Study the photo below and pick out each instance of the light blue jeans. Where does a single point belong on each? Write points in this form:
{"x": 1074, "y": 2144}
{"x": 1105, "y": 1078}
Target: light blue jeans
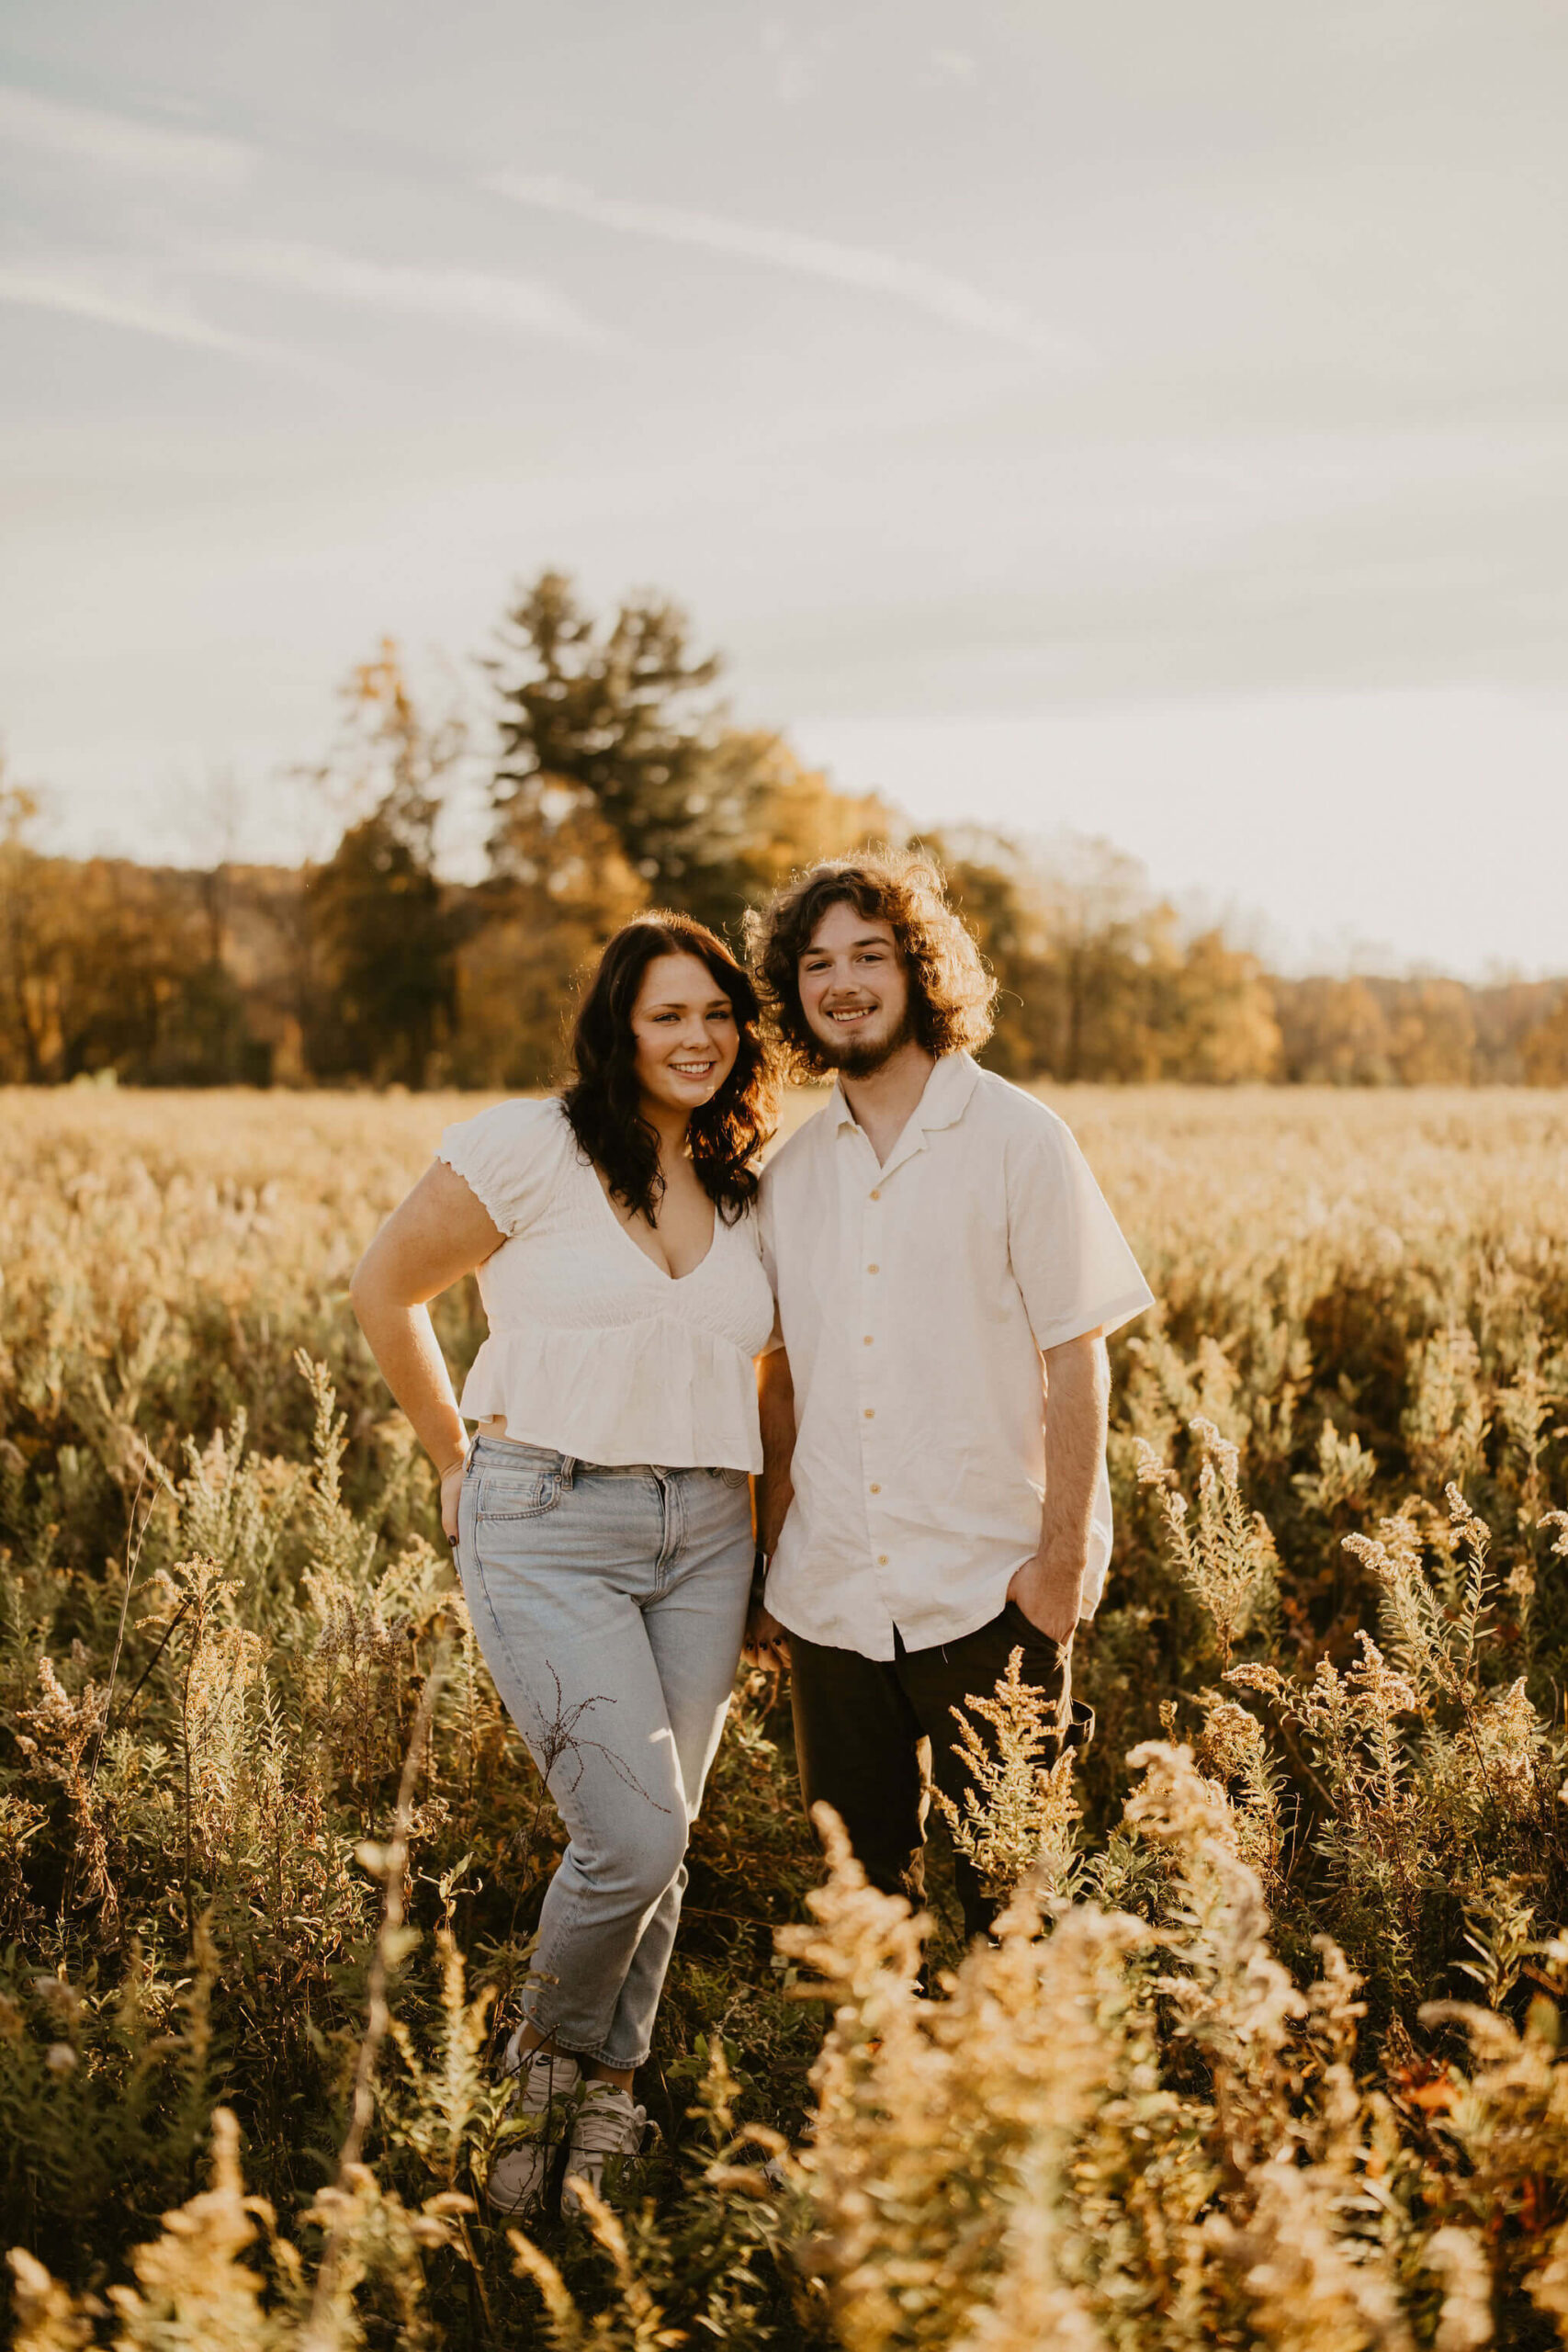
{"x": 610, "y": 1605}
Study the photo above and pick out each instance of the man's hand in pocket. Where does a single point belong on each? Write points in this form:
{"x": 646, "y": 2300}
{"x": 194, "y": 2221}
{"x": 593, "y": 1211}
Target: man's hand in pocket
{"x": 1049, "y": 1591}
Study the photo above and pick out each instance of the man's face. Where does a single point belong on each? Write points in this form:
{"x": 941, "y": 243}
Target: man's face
{"x": 854, "y": 991}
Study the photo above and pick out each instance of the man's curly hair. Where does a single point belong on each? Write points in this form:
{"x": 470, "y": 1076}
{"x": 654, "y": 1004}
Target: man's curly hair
{"x": 952, "y": 993}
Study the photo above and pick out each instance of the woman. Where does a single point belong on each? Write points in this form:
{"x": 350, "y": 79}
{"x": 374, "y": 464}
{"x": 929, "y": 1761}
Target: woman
{"x": 602, "y": 1516}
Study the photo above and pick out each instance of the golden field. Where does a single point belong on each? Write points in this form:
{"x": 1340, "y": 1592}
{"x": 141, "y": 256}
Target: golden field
{"x": 1268, "y": 2052}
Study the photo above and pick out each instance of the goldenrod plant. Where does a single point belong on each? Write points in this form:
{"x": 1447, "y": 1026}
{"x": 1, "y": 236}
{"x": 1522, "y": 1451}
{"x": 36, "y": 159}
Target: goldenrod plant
{"x": 1266, "y": 2050}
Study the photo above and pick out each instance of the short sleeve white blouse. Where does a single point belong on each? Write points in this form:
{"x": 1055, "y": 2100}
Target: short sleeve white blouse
{"x": 592, "y": 1348}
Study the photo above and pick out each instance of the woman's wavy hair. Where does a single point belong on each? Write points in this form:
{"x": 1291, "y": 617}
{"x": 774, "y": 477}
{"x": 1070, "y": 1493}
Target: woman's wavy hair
{"x": 602, "y": 1101}
{"x": 952, "y": 993}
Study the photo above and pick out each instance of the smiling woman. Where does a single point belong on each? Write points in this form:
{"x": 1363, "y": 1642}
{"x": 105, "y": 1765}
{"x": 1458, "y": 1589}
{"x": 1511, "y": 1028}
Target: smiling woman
{"x": 669, "y": 1052}
{"x": 601, "y": 1521}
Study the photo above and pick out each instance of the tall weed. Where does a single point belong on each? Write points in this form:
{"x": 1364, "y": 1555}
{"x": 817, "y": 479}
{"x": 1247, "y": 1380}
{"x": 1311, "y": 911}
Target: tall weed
{"x": 1265, "y": 2052}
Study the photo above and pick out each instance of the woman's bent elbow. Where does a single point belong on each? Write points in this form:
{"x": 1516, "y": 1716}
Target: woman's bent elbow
{"x": 361, "y": 1290}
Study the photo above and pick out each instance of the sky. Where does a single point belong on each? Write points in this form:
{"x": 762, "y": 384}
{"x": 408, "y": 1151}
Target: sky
{"x": 1136, "y": 421}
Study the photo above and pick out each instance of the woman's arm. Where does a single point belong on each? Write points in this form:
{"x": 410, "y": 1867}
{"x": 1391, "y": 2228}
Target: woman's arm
{"x": 766, "y": 1640}
{"x": 775, "y": 1408}
{"x": 431, "y": 1240}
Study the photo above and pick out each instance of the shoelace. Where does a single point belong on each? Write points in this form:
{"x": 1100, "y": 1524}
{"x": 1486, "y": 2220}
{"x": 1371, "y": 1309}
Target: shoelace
{"x": 606, "y": 2128}
{"x": 545, "y": 2077}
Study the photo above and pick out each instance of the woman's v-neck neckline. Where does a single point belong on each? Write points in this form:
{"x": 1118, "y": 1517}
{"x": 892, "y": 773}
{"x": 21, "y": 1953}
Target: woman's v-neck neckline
{"x": 662, "y": 1273}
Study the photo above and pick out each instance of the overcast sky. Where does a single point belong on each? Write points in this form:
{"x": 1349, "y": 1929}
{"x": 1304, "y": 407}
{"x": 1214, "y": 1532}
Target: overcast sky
{"x": 1140, "y": 419}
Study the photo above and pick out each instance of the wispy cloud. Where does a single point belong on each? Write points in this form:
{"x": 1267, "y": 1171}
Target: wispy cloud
{"x": 952, "y": 299}
{"x": 464, "y": 297}
{"x": 120, "y": 143}
{"x": 148, "y": 299}
{"x": 84, "y": 293}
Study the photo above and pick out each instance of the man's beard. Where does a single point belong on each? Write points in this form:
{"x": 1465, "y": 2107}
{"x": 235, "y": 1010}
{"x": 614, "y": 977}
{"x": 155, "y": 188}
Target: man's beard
{"x": 854, "y": 1058}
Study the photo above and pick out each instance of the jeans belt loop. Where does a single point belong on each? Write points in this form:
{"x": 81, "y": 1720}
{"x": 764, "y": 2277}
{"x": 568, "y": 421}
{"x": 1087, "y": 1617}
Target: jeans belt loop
{"x": 568, "y": 1470}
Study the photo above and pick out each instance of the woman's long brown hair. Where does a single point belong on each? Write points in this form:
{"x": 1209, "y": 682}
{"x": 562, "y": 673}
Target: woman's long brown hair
{"x": 604, "y": 1099}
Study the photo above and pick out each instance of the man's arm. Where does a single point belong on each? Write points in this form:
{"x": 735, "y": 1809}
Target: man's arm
{"x": 1049, "y": 1588}
{"x": 766, "y": 1638}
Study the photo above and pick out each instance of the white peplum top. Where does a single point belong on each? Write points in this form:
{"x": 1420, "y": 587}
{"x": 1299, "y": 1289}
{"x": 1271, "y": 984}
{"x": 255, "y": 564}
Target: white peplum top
{"x": 592, "y": 1348}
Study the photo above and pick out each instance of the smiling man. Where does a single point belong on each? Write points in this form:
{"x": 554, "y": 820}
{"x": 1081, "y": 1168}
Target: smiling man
{"x": 934, "y": 1491}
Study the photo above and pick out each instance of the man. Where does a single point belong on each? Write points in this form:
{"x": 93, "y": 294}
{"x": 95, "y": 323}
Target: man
{"x": 934, "y": 1493}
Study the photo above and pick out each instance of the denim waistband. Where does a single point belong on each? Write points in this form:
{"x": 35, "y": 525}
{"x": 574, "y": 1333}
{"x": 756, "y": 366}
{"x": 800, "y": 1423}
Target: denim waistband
{"x": 572, "y": 1465}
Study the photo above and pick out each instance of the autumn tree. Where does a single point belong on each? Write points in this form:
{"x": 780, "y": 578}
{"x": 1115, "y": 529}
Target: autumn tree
{"x": 769, "y": 814}
{"x": 382, "y": 937}
{"x": 28, "y": 1031}
{"x": 1335, "y": 1032}
{"x": 1431, "y": 1033}
{"x": 992, "y": 883}
{"x": 564, "y": 888}
{"x": 1095, "y": 980}
{"x": 99, "y": 960}
{"x": 1508, "y": 1014}
{"x": 1092, "y": 1011}
{"x": 103, "y": 969}
{"x": 1223, "y": 1031}
{"x": 1544, "y": 1050}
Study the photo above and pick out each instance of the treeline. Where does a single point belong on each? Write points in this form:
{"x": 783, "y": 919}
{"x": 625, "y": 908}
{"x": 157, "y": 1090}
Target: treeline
{"x": 620, "y": 782}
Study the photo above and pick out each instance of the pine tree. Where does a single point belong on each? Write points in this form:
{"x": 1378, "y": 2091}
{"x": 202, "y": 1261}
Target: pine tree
{"x": 619, "y": 719}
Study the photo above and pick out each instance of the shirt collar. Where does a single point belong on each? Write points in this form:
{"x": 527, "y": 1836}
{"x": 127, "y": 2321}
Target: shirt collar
{"x": 942, "y": 1105}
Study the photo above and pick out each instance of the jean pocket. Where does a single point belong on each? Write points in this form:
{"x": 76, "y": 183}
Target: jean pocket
{"x": 516, "y": 1494}
{"x": 1034, "y": 1642}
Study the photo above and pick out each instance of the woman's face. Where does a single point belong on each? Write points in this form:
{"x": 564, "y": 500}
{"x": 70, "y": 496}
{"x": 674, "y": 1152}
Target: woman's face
{"x": 685, "y": 1033}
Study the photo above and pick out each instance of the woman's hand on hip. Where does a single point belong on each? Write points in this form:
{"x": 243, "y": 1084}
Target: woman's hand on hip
{"x": 451, "y": 1492}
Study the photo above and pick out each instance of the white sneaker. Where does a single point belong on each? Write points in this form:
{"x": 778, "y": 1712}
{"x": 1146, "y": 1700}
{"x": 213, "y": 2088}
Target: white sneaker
{"x": 543, "y": 2103}
{"x": 607, "y": 2134}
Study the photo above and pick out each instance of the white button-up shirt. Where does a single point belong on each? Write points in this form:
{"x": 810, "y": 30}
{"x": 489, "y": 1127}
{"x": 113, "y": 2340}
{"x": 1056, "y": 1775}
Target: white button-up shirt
{"x": 915, "y": 1296}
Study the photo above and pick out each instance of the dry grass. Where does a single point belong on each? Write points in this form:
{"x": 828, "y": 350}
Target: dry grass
{"x": 1268, "y": 2053}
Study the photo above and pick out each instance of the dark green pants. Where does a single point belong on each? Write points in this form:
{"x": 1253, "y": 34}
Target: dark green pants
{"x": 868, "y": 1731}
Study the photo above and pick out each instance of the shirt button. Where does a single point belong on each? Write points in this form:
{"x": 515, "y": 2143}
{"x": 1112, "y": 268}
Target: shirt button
{"x": 881, "y": 1559}
{"x": 874, "y": 1270}
{"x": 868, "y": 1339}
{"x": 871, "y": 1413}
{"x": 875, "y": 1489}
{"x": 877, "y": 1194}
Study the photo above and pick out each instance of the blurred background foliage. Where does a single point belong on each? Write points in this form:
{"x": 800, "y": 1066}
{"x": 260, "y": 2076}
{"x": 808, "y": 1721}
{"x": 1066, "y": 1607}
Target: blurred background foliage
{"x": 620, "y": 781}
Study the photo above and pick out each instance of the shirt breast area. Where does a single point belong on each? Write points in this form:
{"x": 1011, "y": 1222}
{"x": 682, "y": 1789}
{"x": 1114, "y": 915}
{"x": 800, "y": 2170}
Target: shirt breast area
{"x": 592, "y": 1348}
{"x": 916, "y": 1297}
